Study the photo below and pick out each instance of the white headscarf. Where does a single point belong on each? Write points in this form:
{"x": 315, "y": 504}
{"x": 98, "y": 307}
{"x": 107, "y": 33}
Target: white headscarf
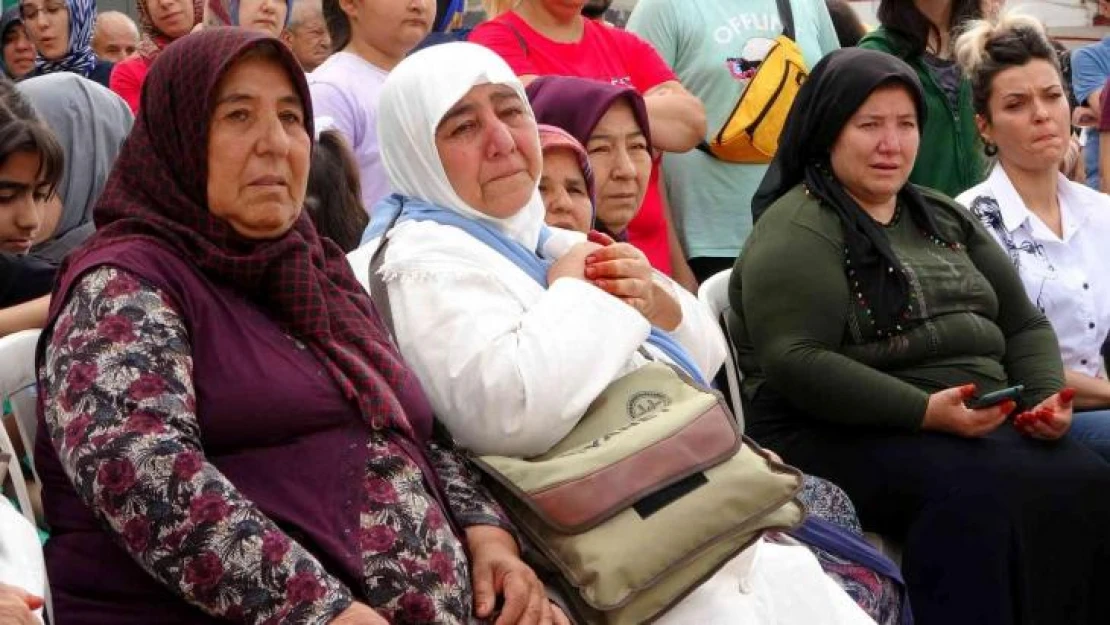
{"x": 414, "y": 99}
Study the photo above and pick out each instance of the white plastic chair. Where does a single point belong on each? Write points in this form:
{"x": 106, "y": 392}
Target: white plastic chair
{"x": 17, "y": 384}
{"x": 713, "y": 294}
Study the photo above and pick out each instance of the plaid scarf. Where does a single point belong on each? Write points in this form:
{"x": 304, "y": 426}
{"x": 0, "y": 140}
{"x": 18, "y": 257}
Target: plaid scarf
{"x": 158, "y": 190}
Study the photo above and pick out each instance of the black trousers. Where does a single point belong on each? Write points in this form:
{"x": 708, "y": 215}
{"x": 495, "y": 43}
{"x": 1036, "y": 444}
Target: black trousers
{"x": 1001, "y": 530}
{"x": 705, "y": 267}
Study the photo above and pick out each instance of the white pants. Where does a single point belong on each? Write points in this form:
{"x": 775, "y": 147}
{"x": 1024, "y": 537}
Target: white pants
{"x": 768, "y": 584}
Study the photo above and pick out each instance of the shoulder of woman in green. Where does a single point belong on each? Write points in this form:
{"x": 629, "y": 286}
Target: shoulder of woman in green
{"x": 796, "y": 210}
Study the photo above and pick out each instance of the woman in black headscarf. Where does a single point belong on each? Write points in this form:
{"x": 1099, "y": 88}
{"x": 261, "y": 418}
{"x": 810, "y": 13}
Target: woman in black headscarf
{"x": 869, "y": 314}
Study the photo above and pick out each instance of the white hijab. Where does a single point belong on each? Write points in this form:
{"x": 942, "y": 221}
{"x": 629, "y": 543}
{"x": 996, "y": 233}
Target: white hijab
{"x": 414, "y": 99}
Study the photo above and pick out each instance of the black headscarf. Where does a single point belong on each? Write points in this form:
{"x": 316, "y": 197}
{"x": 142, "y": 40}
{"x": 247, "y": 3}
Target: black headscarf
{"x": 835, "y": 89}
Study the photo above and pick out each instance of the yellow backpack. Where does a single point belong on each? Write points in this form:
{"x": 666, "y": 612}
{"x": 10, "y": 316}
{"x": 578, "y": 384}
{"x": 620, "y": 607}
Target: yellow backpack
{"x": 751, "y": 133}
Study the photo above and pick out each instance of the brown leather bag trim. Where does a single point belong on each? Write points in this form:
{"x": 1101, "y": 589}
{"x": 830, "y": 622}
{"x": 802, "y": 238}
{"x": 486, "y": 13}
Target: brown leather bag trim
{"x": 580, "y": 504}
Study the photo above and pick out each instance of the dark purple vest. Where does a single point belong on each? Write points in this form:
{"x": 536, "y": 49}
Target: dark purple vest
{"x": 271, "y": 420}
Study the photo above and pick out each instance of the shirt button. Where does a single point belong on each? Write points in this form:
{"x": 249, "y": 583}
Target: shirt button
{"x": 1091, "y": 325}
{"x": 1083, "y": 362}
{"x": 1086, "y": 286}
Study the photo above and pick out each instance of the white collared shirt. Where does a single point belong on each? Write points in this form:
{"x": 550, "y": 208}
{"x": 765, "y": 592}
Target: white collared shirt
{"x": 1067, "y": 278}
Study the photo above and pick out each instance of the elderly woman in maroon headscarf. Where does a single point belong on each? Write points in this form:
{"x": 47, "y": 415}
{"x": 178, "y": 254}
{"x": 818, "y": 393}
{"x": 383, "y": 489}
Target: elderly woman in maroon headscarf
{"x": 611, "y": 122}
{"x": 228, "y": 432}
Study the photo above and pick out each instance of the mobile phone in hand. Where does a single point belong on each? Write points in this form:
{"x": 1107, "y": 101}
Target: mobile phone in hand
{"x": 995, "y": 398}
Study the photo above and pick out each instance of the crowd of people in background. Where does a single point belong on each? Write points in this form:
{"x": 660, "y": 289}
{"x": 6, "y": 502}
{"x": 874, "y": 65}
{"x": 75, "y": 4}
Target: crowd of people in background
{"x": 296, "y": 262}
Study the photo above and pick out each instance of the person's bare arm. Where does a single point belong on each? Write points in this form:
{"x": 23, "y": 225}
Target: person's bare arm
{"x": 1090, "y": 393}
{"x": 25, "y": 316}
{"x": 677, "y": 117}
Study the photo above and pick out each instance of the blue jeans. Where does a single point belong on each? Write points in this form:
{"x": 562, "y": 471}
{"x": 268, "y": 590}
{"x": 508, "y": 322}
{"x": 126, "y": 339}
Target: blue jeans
{"x": 1092, "y": 428}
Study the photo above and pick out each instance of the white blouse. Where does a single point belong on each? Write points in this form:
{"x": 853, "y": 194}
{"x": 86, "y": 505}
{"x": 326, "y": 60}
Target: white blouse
{"x": 1067, "y": 278}
{"x": 510, "y": 367}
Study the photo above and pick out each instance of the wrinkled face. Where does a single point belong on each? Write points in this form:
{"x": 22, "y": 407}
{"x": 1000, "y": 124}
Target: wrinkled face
{"x": 874, "y": 154}
{"x": 309, "y": 41}
{"x": 391, "y": 26}
{"x": 566, "y": 197}
{"x": 258, "y": 150}
{"x": 264, "y": 16}
{"x": 1030, "y": 119}
{"x": 47, "y": 23}
{"x": 621, "y": 159}
{"x": 22, "y": 196}
{"x": 19, "y": 52}
{"x": 172, "y": 18}
{"x": 490, "y": 150}
{"x": 115, "y": 39}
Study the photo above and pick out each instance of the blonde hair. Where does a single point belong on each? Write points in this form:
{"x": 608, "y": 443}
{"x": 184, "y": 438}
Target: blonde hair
{"x": 987, "y": 47}
{"x": 493, "y": 8}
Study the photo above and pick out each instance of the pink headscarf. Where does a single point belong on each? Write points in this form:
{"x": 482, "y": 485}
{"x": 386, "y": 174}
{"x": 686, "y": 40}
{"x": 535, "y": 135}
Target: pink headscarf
{"x": 553, "y": 138}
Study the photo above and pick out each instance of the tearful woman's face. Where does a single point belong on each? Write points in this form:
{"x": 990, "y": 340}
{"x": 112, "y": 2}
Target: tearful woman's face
{"x": 490, "y": 150}
{"x": 258, "y": 149}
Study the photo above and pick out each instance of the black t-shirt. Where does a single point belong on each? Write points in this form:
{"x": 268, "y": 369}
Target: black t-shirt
{"x": 24, "y": 278}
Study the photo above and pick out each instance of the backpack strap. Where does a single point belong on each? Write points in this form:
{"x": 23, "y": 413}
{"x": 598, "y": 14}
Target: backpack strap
{"x": 379, "y": 292}
{"x": 786, "y": 16}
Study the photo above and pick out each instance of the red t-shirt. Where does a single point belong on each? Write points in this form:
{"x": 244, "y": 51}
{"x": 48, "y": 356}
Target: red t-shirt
{"x": 127, "y": 80}
{"x": 603, "y": 53}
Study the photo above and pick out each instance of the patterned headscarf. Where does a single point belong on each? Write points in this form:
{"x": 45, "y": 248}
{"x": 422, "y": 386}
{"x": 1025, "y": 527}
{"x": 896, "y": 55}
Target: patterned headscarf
{"x": 158, "y": 191}
{"x": 79, "y": 57}
{"x": 153, "y": 40}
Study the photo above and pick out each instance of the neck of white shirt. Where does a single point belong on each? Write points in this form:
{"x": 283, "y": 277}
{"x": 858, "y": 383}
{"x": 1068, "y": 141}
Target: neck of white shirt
{"x": 1040, "y": 191}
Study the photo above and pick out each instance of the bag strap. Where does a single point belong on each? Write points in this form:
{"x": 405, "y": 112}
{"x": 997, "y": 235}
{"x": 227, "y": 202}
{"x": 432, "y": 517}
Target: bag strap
{"x": 786, "y": 16}
{"x": 520, "y": 38}
{"x": 379, "y": 292}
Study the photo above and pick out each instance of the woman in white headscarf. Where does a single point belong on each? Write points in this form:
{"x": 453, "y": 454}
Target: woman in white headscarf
{"x": 514, "y": 328}
{"x": 91, "y": 123}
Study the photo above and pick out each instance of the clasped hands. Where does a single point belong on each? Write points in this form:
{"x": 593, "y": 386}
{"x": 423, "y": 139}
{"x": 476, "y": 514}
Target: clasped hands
{"x": 496, "y": 571}
{"x": 622, "y": 271}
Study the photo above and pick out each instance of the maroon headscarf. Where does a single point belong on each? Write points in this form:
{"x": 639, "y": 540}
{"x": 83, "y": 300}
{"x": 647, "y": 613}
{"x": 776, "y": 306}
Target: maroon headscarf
{"x": 158, "y": 191}
{"x": 577, "y": 104}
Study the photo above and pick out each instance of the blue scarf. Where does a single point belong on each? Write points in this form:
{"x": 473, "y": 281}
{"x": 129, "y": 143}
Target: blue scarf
{"x": 529, "y": 261}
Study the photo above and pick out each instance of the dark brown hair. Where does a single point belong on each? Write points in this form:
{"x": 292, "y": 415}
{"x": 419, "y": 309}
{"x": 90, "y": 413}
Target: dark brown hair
{"x": 339, "y": 25}
{"x": 987, "y": 48}
{"x": 22, "y": 131}
{"x": 334, "y": 198}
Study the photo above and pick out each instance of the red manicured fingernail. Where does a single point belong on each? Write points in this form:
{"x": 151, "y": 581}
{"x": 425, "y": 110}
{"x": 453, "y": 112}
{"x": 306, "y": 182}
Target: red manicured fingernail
{"x": 1067, "y": 395}
{"x": 1008, "y": 406}
{"x": 968, "y": 391}
{"x": 1046, "y": 416}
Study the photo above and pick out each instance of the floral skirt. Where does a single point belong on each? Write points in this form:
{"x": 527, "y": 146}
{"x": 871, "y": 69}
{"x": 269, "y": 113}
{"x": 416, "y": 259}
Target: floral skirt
{"x": 880, "y": 596}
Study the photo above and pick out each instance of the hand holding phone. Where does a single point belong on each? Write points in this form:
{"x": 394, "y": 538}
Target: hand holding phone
{"x": 993, "y": 399}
